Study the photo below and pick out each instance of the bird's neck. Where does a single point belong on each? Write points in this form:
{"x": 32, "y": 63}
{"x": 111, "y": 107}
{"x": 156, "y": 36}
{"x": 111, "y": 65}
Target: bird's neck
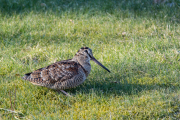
{"x": 84, "y": 62}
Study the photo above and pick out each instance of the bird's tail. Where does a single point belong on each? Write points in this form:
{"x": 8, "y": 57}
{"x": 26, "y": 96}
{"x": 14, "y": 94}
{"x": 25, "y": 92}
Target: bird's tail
{"x": 27, "y": 76}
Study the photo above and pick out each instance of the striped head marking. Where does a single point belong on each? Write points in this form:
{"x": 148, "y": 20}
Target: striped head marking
{"x": 86, "y": 52}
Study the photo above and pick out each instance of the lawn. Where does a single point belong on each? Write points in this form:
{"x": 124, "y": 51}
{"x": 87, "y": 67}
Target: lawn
{"x": 138, "y": 41}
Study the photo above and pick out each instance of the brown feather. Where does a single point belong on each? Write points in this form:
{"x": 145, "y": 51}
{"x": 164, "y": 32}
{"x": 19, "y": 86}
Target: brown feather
{"x": 56, "y": 72}
{"x": 64, "y": 74}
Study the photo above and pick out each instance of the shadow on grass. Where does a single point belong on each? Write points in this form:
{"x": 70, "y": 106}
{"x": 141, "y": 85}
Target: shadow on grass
{"x": 118, "y": 88}
{"x": 131, "y": 80}
{"x": 123, "y": 8}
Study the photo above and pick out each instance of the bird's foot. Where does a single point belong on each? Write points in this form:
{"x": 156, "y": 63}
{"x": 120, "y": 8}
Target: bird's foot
{"x": 66, "y": 93}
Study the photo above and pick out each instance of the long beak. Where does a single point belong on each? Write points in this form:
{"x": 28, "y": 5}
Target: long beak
{"x": 96, "y": 61}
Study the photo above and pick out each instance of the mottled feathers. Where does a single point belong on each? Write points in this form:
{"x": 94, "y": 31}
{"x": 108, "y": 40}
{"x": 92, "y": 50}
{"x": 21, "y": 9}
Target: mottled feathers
{"x": 65, "y": 74}
{"x": 57, "y": 72}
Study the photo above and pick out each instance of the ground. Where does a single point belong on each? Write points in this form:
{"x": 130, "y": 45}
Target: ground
{"x": 137, "y": 40}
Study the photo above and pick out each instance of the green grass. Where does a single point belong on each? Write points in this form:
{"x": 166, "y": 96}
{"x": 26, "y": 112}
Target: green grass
{"x": 144, "y": 82}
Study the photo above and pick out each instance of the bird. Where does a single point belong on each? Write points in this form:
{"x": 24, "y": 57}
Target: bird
{"x": 65, "y": 74}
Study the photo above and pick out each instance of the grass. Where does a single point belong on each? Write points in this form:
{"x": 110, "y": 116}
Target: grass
{"x": 137, "y": 40}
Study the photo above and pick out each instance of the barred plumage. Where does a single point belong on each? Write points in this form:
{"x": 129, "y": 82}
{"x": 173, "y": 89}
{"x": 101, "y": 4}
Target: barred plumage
{"x": 64, "y": 74}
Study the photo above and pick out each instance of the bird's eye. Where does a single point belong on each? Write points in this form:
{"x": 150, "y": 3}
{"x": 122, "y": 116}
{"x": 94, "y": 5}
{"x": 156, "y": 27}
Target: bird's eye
{"x": 86, "y": 51}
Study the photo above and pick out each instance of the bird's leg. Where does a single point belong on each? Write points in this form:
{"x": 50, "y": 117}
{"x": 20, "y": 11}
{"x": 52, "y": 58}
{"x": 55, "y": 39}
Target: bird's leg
{"x": 65, "y": 93}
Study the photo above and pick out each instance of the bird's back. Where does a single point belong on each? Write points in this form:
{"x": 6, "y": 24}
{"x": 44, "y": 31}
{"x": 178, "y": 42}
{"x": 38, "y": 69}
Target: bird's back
{"x": 60, "y": 75}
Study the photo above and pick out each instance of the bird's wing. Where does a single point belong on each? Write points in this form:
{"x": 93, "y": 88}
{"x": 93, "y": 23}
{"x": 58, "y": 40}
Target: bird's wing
{"x": 56, "y": 72}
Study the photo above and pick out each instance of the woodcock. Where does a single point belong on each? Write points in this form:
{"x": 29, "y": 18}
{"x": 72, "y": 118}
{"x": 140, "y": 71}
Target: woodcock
{"x": 65, "y": 74}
